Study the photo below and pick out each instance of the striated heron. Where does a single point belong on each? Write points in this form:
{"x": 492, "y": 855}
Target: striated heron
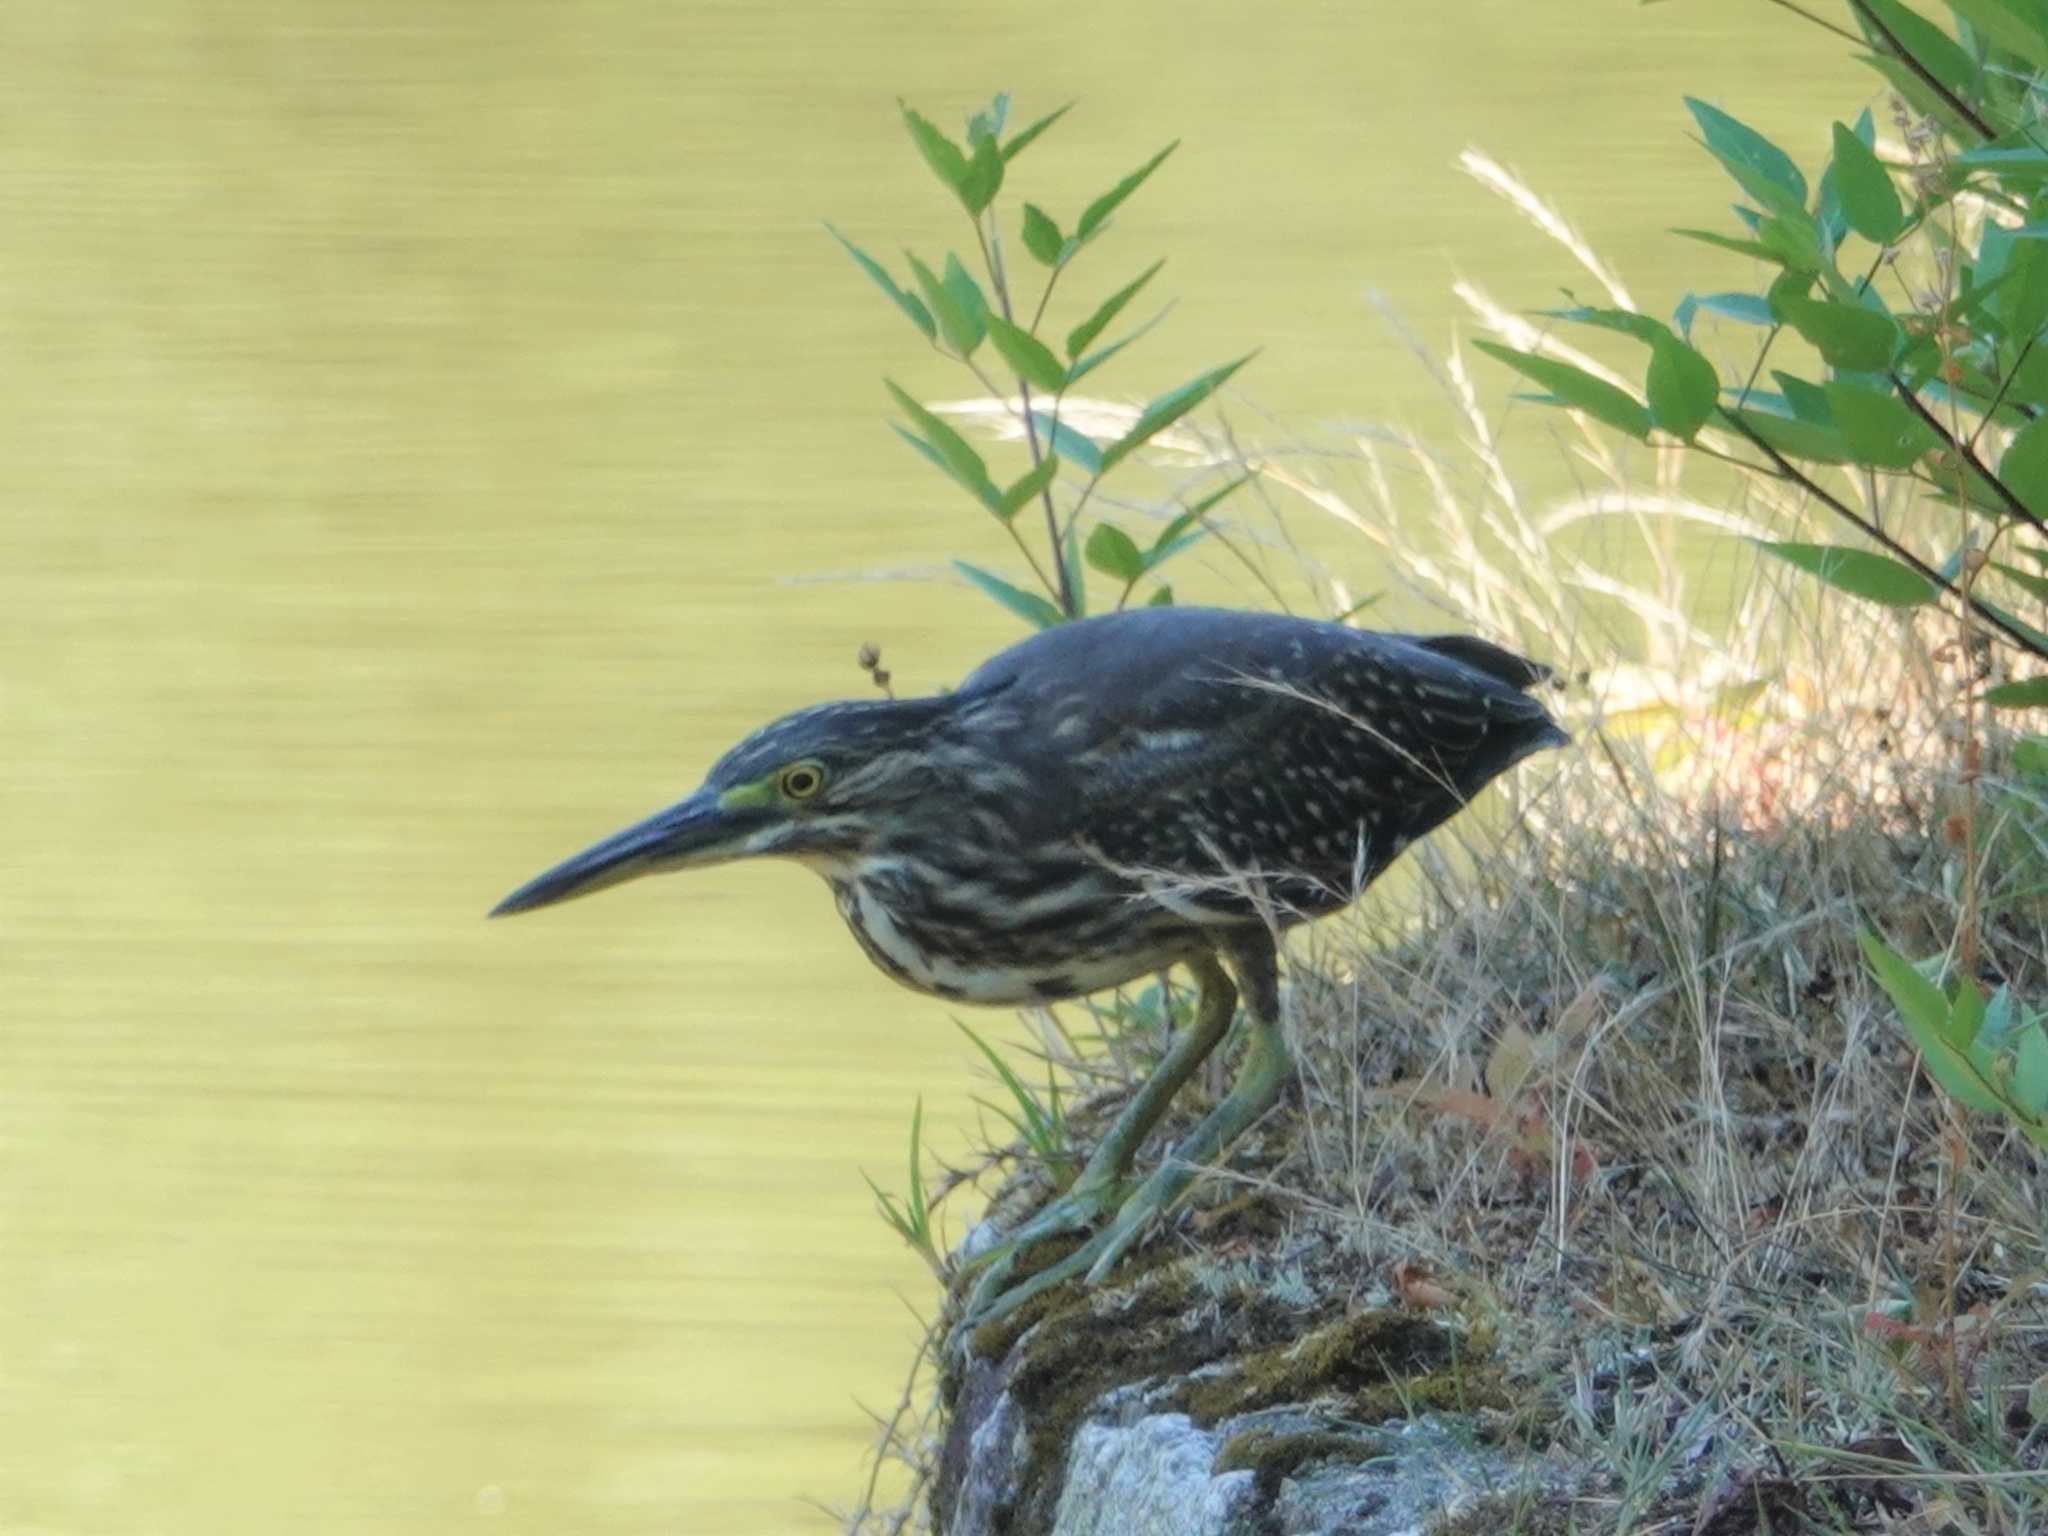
{"x": 1095, "y": 804}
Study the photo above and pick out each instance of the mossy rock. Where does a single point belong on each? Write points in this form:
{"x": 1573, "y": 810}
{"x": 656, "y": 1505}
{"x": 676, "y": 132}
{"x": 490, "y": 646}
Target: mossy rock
{"x": 1386, "y": 1363}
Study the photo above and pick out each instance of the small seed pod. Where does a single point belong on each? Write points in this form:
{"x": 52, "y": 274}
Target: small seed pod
{"x": 870, "y": 658}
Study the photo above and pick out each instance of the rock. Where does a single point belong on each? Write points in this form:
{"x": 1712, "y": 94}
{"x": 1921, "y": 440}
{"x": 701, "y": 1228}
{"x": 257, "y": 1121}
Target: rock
{"x": 1164, "y": 1407}
{"x": 1154, "y": 1477}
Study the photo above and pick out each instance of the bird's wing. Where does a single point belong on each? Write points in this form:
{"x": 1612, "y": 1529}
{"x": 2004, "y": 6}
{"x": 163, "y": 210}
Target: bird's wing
{"x": 1219, "y": 721}
{"x": 1201, "y": 707}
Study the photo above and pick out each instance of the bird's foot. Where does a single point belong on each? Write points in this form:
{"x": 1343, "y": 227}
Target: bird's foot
{"x": 1080, "y": 1208}
{"x": 1259, "y": 1083}
{"x": 994, "y": 1298}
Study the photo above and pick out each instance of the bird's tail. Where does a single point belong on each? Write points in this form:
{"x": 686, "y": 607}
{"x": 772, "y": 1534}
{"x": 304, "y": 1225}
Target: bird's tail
{"x": 1483, "y": 656}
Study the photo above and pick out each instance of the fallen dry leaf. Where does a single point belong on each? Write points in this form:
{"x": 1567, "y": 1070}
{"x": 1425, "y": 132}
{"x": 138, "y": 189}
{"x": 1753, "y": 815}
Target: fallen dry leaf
{"x": 1416, "y": 1287}
{"x": 1528, "y": 1131}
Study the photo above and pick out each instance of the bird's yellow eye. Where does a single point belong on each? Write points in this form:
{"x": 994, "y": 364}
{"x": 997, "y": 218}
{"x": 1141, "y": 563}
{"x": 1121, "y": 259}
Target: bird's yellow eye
{"x": 800, "y": 781}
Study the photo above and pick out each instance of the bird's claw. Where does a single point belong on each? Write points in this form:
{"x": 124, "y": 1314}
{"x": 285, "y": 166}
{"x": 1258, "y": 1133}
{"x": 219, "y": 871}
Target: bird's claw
{"x": 992, "y": 1299}
{"x": 1075, "y": 1211}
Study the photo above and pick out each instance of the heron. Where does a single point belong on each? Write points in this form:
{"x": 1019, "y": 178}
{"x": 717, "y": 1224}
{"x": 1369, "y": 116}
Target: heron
{"x": 1101, "y": 802}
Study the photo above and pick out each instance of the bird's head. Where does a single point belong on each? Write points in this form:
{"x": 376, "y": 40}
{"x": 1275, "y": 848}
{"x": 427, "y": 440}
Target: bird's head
{"x": 817, "y": 785}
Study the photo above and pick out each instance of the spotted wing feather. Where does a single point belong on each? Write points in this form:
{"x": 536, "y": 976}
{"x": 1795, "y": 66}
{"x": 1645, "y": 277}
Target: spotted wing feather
{"x": 1236, "y": 751}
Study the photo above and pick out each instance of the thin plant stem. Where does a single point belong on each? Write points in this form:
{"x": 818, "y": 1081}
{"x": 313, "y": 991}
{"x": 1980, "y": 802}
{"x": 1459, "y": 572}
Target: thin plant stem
{"x": 1787, "y": 470}
{"x": 992, "y": 259}
{"x": 1966, "y": 455}
{"x": 1904, "y": 55}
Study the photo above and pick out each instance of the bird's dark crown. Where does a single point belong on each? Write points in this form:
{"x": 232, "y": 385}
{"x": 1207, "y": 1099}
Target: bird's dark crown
{"x": 839, "y": 738}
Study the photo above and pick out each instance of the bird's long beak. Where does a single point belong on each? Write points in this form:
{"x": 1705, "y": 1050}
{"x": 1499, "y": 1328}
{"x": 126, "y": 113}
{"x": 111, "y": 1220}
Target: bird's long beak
{"x": 691, "y": 832}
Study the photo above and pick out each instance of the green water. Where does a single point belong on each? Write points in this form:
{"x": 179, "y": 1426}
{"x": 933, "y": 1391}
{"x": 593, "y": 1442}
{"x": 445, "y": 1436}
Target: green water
{"x": 415, "y": 416}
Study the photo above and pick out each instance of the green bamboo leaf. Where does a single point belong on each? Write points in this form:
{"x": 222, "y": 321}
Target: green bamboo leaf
{"x": 1875, "y": 577}
{"x": 1762, "y": 169}
{"x": 1079, "y": 337}
{"x": 2020, "y": 25}
{"x": 948, "y": 449}
{"x": 1966, "y": 1014}
{"x": 1113, "y": 552}
{"x": 984, "y": 175}
{"x": 1094, "y": 360}
{"x": 1175, "y": 536}
{"x": 1209, "y": 502}
{"x": 2028, "y": 693}
{"x": 1029, "y": 485}
{"x": 960, "y": 329}
{"x": 1805, "y": 400}
{"x": 1028, "y": 606}
{"x": 2023, "y": 468}
{"x": 1162, "y": 597}
{"x": 1645, "y": 328}
{"x": 909, "y": 303}
{"x": 1869, "y": 201}
{"x": 1163, "y": 551}
{"x": 1754, "y": 248}
{"x": 2024, "y": 302}
{"x": 968, "y": 299}
{"x": 1932, "y": 49}
{"x": 1747, "y": 308}
{"x": 1077, "y": 576}
{"x": 1576, "y": 389}
{"x": 1828, "y": 201}
{"x": 1926, "y": 1015}
{"x": 2036, "y": 639}
{"x": 1847, "y": 335}
{"x": 990, "y": 121}
{"x": 2001, "y": 1020}
{"x": 1070, "y": 444}
{"x": 2030, "y": 580}
{"x": 1169, "y": 408}
{"x": 1029, "y": 356}
{"x": 1785, "y": 286}
{"x": 1682, "y": 387}
{"x": 1919, "y": 1000}
{"x": 940, "y": 153}
{"x": 1878, "y": 428}
{"x": 2026, "y": 379}
{"x": 1822, "y": 442}
{"x": 1105, "y": 205}
{"x": 2009, "y": 161}
{"x": 982, "y": 491}
{"x": 1042, "y": 237}
{"x": 1022, "y": 139}
{"x": 2029, "y": 1083}
{"x": 1793, "y": 240}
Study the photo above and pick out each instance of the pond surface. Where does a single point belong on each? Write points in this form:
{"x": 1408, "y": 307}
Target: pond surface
{"x": 419, "y": 418}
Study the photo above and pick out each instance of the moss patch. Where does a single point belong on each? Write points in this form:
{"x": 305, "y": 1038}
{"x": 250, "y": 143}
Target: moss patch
{"x": 1273, "y": 1456}
{"x": 1072, "y": 1347}
{"x": 1385, "y": 1363}
{"x": 992, "y": 1341}
{"x": 1255, "y": 1219}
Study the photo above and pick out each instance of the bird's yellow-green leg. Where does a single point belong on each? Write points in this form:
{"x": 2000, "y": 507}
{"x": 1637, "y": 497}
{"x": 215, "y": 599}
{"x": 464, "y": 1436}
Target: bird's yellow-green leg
{"x": 1100, "y": 1186}
{"x": 1260, "y": 1081}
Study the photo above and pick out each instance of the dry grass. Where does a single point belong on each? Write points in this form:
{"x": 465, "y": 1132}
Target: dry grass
{"x": 1619, "y": 1088}
{"x": 1605, "y": 1075}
